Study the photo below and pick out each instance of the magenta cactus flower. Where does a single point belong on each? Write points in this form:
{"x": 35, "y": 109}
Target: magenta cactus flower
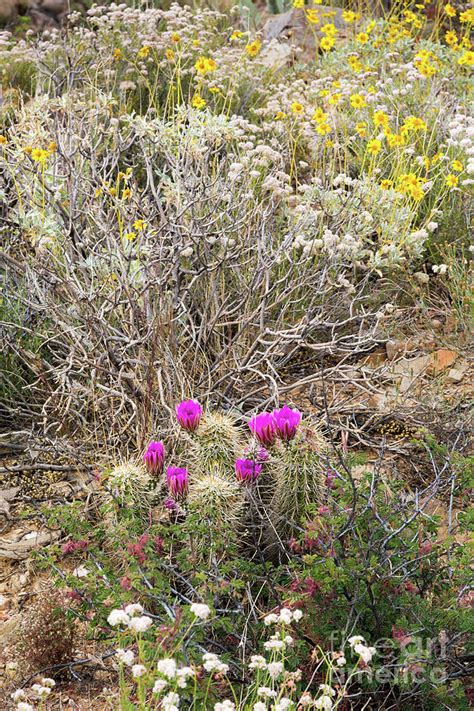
{"x": 247, "y": 470}
{"x": 154, "y": 457}
{"x": 286, "y": 422}
{"x": 189, "y": 413}
{"x": 177, "y": 479}
{"x": 263, "y": 427}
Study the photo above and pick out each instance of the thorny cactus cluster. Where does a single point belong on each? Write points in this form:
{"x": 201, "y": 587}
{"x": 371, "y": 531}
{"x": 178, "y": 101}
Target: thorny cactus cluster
{"x": 213, "y": 468}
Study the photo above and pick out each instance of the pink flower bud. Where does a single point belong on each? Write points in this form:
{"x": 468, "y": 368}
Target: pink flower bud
{"x": 177, "y": 479}
{"x": 154, "y": 457}
{"x": 189, "y": 413}
{"x": 263, "y": 427}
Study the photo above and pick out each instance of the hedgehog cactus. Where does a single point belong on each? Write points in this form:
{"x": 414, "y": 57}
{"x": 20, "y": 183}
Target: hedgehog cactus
{"x": 217, "y": 499}
{"x": 215, "y": 446}
{"x": 299, "y": 473}
{"x": 129, "y": 484}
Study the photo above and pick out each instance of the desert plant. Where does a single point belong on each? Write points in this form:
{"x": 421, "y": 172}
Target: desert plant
{"x": 216, "y": 445}
{"x": 46, "y": 635}
{"x": 299, "y": 470}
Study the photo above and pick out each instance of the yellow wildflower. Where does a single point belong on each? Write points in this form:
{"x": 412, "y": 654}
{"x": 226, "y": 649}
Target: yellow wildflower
{"x": 140, "y": 225}
{"x": 236, "y": 34}
{"x": 312, "y": 16}
{"x": 362, "y": 38}
{"x": 327, "y": 43}
{"x": 467, "y": 16}
{"x": 319, "y": 116}
{"x": 386, "y": 184}
{"x": 323, "y": 129}
{"x": 334, "y": 99}
{"x": 3, "y": 140}
{"x": 253, "y": 48}
{"x": 169, "y": 54}
{"x": 143, "y": 52}
{"x": 452, "y": 180}
{"x": 198, "y": 102}
{"x": 380, "y": 118}
{"x": 329, "y": 29}
{"x": 117, "y": 54}
{"x": 297, "y": 108}
{"x": 349, "y": 16}
{"x": 298, "y": 4}
{"x": 358, "y": 101}
{"x": 413, "y": 123}
{"x": 39, "y": 155}
{"x": 450, "y": 10}
{"x": 203, "y": 65}
{"x": 467, "y": 59}
{"x": 130, "y": 236}
{"x": 374, "y": 146}
{"x": 175, "y": 37}
{"x": 457, "y": 166}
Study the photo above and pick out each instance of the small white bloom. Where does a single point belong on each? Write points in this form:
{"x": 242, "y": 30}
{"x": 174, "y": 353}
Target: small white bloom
{"x": 305, "y": 700}
{"x": 275, "y": 669}
{"x": 285, "y": 616}
{"x": 328, "y": 690}
{"x": 270, "y": 619}
{"x": 182, "y": 676}
{"x": 324, "y": 702}
{"x": 167, "y": 667}
{"x": 260, "y": 706}
{"x": 125, "y": 656}
{"x": 200, "y": 610}
{"x": 297, "y": 615}
{"x": 23, "y": 706}
{"x": 340, "y": 661}
{"x": 283, "y": 704}
{"x": 138, "y": 670}
{"x": 267, "y": 692}
{"x": 41, "y": 691}
{"x": 170, "y": 702}
{"x": 159, "y": 686}
{"x": 48, "y": 682}
{"x": 134, "y": 609}
{"x": 18, "y": 695}
{"x": 225, "y": 705}
{"x": 257, "y": 662}
{"x": 273, "y": 644}
{"x": 356, "y": 639}
{"x": 140, "y": 624}
{"x": 118, "y": 617}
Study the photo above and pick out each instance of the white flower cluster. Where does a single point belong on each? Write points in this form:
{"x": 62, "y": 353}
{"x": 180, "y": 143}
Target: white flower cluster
{"x": 39, "y": 691}
{"x": 285, "y": 617}
{"x": 212, "y": 663}
{"x": 200, "y": 610}
{"x": 131, "y": 617}
{"x": 357, "y": 643}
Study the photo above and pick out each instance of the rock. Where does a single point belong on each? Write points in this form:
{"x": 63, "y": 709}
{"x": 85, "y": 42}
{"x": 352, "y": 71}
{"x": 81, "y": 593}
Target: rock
{"x": 441, "y": 360}
{"x": 293, "y": 28}
{"x": 455, "y": 375}
{"x": 395, "y": 348}
{"x": 7, "y": 11}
